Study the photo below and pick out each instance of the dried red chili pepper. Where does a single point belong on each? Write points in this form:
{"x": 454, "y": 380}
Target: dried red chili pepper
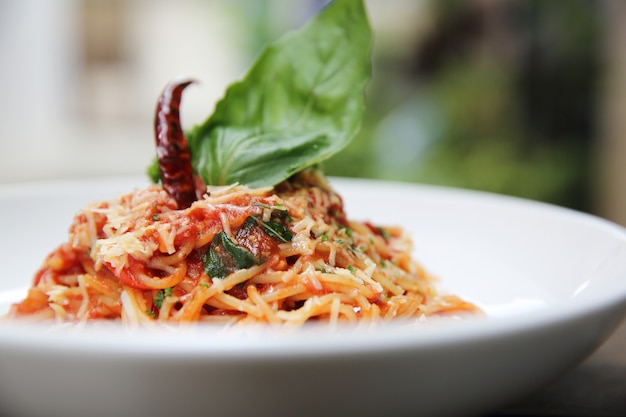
{"x": 171, "y": 146}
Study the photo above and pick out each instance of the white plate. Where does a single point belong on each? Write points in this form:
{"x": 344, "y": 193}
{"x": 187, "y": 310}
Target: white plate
{"x": 552, "y": 282}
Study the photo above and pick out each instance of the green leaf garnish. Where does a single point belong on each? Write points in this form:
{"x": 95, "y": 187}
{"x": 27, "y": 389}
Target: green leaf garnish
{"x": 272, "y": 228}
{"x": 277, "y": 211}
{"x": 225, "y": 257}
{"x": 301, "y": 102}
{"x": 160, "y": 296}
{"x": 158, "y": 299}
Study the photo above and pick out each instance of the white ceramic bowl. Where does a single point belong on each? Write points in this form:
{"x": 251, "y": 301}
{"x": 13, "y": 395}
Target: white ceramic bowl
{"x": 552, "y": 282}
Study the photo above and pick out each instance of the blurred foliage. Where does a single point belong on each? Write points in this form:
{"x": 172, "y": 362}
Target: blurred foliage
{"x": 498, "y": 96}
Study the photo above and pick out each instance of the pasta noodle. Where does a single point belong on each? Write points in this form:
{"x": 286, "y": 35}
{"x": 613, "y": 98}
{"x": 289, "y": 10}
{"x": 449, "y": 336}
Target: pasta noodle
{"x": 282, "y": 255}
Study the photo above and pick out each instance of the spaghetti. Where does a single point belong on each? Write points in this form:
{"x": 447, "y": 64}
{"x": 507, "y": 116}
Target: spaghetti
{"x": 281, "y": 255}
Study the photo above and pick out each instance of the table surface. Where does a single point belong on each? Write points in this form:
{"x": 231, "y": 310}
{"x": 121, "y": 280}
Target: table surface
{"x": 595, "y": 388}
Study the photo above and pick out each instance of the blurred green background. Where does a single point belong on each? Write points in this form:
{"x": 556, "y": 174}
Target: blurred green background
{"x": 495, "y": 96}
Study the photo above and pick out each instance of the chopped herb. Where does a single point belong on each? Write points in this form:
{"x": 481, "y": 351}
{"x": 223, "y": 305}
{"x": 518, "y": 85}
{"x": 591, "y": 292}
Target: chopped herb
{"x": 204, "y": 284}
{"x": 278, "y": 231}
{"x": 324, "y": 237}
{"x": 272, "y": 228}
{"x": 257, "y": 204}
{"x": 351, "y": 269}
{"x": 155, "y": 217}
{"x": 277, "y": 210}
{"x": 151, "y": 314}
{"x": 347, "y": 231}
{"x": 225, "y": 257}
{"x": 158, "y": 298}
{"x": 281, "y": 214}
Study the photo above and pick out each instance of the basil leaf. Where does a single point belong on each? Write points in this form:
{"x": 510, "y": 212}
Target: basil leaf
{"x": 225, "y": 257}
{"x": 215, "y": 265}
{"x": 272, "y": 228}
{"x": 277, "y": 231}
{"x": 301, "y": 102}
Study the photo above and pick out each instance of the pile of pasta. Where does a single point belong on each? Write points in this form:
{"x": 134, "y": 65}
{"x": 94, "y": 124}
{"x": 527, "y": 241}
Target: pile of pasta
{"x": 282, "y": 255}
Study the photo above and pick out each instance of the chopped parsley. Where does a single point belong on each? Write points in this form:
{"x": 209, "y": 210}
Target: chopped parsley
{"x": 160, "y": 296}
{"x": 158, "y": 299}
